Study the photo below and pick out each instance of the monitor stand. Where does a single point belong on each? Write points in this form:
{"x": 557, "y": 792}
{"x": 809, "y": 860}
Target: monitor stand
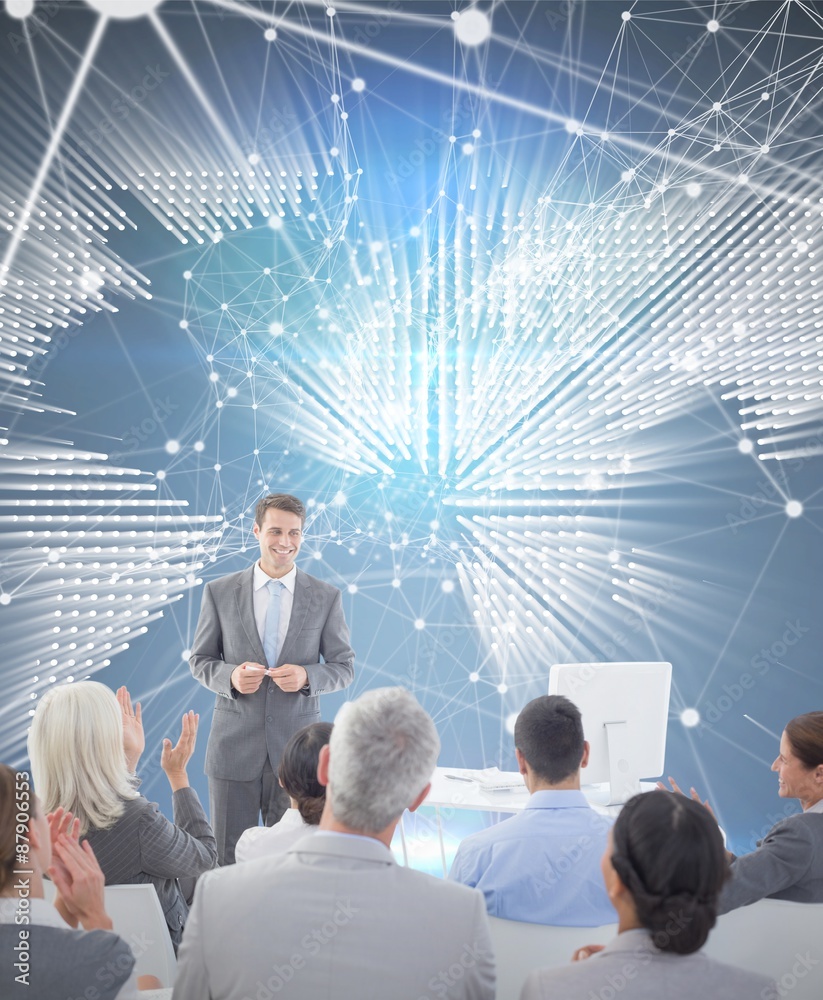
{"x": 624, "y": 782}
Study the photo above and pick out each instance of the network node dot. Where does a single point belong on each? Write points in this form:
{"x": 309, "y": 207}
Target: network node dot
{"x": 124, "y": 9}
{"x": 690, "y": 717}
{"x": 794, "y": 508}
{"x": 19, "y": 9}
{"x": 472, "y": 27}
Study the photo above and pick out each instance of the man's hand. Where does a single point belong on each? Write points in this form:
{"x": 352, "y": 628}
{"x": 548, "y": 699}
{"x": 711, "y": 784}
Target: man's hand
{"x": 248, "y": 677}
{"x": 289, "y": 677}
{"x": 79, "y": 882}
{"x": 174, "y": 760}
{"x": 134, "y": 739}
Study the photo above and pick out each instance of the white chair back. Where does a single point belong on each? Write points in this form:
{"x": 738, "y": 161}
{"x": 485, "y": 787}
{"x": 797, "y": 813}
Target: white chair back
{"x": 519, "y": 948}
{"x": 777, "y": 938}
{"x": 137, "y": 917}
{"x": 774, "y": 937}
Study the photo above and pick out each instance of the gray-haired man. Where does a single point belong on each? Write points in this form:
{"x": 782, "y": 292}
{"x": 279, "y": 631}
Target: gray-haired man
{"x": 336, "y": 916}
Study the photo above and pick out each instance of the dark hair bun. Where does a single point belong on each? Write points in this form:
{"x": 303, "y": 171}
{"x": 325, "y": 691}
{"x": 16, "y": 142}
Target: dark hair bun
{"x": 668, "y": 852}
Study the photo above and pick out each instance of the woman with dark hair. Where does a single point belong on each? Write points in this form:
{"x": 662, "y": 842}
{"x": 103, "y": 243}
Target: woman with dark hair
{"x": 788, "y": 862}
{"x": 664, "y": 869}
{"x": 298, "y": 776}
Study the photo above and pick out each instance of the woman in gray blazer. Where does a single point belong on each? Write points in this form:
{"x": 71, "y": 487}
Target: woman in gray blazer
{"x": 664, "y": 868}
{"x": 84, "y": 746}
{"x": 788, "y": 862}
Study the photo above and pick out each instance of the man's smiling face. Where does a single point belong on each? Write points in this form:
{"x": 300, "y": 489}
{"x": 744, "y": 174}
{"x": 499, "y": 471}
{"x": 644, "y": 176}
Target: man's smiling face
{"x": 280, "y": 537}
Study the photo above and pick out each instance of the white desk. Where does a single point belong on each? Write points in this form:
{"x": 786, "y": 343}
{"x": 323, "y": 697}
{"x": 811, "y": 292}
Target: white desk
{"x": 453, "y": 793}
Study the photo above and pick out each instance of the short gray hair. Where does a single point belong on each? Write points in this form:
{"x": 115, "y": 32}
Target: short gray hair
{"x": 382, "y": 754}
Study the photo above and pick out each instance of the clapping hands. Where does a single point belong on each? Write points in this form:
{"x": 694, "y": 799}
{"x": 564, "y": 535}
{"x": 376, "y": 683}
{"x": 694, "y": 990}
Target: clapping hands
{"x": 692, "y": 791}
{"x": 174, "y": 759}
{"x": 76, "y": 874}
{"x": 134, "y": 739}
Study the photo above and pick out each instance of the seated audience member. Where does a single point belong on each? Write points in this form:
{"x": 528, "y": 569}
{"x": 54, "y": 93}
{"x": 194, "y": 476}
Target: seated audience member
{"x": 543, "y": 865}
{"x": 84, "y": 746}
{"x": 42, "y": 953}
{"x": 788, "y": 862}
{"x": 336, "y": 916}
{"x": 664, "y": 868}
{"x": 298, "y": 776}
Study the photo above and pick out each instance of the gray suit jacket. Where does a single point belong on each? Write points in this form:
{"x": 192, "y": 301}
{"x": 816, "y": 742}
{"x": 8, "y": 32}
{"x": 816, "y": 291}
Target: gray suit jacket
{"x": 143, "y": 846}
{"x": 334, "y": 917}
{"x": 788, "y": 864}
{"x": 633, "y": 969}
{"x": 247, "y": 728}
{"x": 64, "y": 963}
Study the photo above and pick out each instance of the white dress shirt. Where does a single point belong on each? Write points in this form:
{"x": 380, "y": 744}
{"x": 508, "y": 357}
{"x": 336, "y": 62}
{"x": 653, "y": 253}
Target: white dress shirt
{"x": 261, "y": 603}
{"x": 265, "y": 841}
{"x": 45, "y": 915}
{"x": 816, "y": 808}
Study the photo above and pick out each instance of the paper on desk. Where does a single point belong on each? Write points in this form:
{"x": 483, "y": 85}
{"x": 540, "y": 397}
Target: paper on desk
{"x": 492, "y": 779}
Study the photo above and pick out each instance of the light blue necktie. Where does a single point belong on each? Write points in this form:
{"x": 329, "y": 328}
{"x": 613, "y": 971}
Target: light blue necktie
{"x": 272, "y": 630}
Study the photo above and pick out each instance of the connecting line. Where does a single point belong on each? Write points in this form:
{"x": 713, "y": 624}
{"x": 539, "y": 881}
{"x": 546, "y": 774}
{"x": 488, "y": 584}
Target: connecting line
{"x": 760, "y": 726}
{"x": 192, "y": 81}
{"x": 618, "y": 138}
{"x": 54, "y": 143}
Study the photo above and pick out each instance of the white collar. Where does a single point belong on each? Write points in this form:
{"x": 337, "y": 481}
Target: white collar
{"x": 816, "y": 808}
{"x": 291, "y": 820}
{"x": 261, "y": 578}
{"x": 40, "y": 912}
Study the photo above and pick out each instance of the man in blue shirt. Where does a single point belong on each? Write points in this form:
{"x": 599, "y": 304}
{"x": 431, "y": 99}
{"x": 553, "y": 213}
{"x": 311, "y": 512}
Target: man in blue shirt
{"x": 542, "y": 866}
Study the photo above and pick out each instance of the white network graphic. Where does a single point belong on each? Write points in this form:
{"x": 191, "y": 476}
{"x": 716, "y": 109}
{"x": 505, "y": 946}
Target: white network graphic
{"x": 481, "y": 388}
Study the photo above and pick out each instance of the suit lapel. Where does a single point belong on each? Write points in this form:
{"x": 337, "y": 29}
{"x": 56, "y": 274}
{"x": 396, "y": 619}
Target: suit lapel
{"x": 244, "y": 596}
{"x": 299, "y": 609}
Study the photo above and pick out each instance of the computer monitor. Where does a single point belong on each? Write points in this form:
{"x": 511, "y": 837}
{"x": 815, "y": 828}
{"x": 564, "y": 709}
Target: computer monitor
{"x": 625, "y": 710}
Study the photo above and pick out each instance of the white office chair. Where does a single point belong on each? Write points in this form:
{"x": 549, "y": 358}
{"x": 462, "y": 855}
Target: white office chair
{"x": 519, "y": 948}
{"x": 777, "y": 938}
{"x": 137, "y": 917}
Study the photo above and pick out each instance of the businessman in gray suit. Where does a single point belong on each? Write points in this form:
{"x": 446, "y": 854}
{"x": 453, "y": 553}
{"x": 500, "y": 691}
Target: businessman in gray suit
{"x": 270, "y": 640}
{"x": 336, "y": 916}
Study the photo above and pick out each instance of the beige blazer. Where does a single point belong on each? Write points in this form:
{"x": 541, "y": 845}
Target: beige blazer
{"x": 334, "y": 917}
